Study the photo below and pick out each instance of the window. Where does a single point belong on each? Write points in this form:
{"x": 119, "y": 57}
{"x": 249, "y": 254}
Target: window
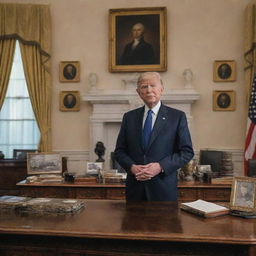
{"x": 18, "y": 127}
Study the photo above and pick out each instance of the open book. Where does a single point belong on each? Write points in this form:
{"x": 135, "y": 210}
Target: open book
{"x": 204, "y": 208}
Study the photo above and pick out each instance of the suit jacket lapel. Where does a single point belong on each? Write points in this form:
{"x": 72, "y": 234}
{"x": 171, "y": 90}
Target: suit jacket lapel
{"x": 161, "y": 120}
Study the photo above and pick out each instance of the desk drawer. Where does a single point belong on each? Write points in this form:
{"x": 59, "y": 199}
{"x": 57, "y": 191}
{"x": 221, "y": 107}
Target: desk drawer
{"x": 115, "y": 193}
{"x": 220, "y": 194}
{"x": 90, "y": 193}
{"x": 44, "y": 192}
{"x": 187, "y": 194}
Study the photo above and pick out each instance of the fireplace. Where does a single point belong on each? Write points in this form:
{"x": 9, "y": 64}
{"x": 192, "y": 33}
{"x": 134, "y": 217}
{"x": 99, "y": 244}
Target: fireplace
{"x": 109, "y": 107}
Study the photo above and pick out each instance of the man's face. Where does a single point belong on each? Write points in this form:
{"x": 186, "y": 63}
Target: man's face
{"x": 70, "y": 98}
{"x": 150, "y": 90}
{"x": 69, "y": 69}
{"x": 243, "y": 190}
{"x": 223, "y": 98}
{"x": 137, "y": 31}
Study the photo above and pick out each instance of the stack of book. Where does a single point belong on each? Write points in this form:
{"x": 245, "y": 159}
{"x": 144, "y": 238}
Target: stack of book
{"x": 114, "y": 177}
{"x": 11, "y": 202}
{"x": 40, "y": 205}
{"x": 85, "y": 180}
{"x": 45, "y": 178}
{"x": 227, "y": 165}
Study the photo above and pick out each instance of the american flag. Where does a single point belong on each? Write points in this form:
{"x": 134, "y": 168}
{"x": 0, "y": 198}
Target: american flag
{"x": 250, "y": 142}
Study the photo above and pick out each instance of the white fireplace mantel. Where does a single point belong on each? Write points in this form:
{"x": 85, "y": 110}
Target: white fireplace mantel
{"x": 180, "y": 96}
{"x": 109, "y": 107}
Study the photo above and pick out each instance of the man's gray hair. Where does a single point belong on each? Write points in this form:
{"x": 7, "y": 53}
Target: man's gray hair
{"x": 148, "y": 75}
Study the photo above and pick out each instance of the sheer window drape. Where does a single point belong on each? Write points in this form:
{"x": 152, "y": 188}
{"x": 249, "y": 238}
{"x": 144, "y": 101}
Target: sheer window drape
{"x": 18, "y": 128}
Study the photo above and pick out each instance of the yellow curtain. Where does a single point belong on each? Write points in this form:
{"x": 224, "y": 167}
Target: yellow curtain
{"x": 31, "y": 25}
{"x": 39, "y": 80}
{"x": 6, "y": 58}
{"x": 250, "y": 46}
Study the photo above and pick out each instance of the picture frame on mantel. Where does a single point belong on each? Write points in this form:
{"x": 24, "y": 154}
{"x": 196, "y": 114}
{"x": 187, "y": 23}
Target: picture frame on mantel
{"x": 69, "y": 71}
{"x": 224, "y": 100}
{"x": 148, "y": 52}
{"x": 224, "y": 71}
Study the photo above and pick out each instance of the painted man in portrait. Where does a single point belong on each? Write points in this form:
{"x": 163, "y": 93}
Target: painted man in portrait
{"x": 138, "y": 51}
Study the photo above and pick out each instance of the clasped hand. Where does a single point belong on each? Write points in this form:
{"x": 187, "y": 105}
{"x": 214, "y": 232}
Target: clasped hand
{"x": 145, "y": 172}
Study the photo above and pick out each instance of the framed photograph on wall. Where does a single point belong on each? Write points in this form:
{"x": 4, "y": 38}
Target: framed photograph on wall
{"x": 224, "y": 71}
{"x": 243, "y": 194}
{"x": 44, "y": 163}
{"x": 69, "y": 71}
{"x": 224, "y": 100}
{"x": 137, "y": 39}
{"x": 69, "y": 101}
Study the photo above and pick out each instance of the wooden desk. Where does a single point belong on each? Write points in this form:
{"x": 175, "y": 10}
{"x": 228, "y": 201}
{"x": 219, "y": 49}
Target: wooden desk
{"x": 115, "y": 228}
{"x": 11, "y": 172}
{"x": 188, "y": 191}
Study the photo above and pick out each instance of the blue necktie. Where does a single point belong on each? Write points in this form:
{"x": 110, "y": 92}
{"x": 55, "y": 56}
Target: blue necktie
{"x": 147, "y": 128}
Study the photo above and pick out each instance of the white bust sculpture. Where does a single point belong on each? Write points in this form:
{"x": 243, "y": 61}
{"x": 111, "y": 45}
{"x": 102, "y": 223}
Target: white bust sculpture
{"x": 188, "y": 77}
{"x": 93, "y": 79}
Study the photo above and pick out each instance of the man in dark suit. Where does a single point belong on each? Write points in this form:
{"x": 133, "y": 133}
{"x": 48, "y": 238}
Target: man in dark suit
{"x": 138, "y": 52}
{"x": 152, "y": 164}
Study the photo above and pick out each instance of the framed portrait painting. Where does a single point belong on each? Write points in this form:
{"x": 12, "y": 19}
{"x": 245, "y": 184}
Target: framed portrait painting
{"x": 224, "y": 71}
{"x": 243, "y": 194}
{"x": 224, "y": 100}
{"x": 69, "y": 101}
{"x": 137, "y": 39}
{"x": 69, "y": 71}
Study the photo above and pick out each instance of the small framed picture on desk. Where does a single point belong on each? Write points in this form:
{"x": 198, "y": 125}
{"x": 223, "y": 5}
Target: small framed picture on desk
{"x": 243, "y": 194}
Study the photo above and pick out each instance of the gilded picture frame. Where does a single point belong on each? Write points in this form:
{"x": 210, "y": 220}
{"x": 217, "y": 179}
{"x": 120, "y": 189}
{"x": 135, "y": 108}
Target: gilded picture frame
{"x": 69, "y": 101}
{"x": 243, "y": 194}
{"x": 44, "y": 163}
{"x": 149, "y": 51}
{"x": 69, "y": 71}
{"x": 224, "y": 71}
{"x": 224, "y": 100}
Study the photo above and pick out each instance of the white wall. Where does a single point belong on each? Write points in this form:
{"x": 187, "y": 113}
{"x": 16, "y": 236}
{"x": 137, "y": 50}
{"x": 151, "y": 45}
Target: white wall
{"x": 199, "y": 32}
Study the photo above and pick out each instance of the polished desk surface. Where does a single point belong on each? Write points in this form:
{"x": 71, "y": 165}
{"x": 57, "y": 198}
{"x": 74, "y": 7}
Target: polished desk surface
{"x": 148, "y": 221}
{"x": 23, "y": 183}
{"x": 182, "y": 184}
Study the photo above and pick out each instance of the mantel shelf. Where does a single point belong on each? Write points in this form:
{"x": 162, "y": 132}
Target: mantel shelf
{"x": 173, "y": 96}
